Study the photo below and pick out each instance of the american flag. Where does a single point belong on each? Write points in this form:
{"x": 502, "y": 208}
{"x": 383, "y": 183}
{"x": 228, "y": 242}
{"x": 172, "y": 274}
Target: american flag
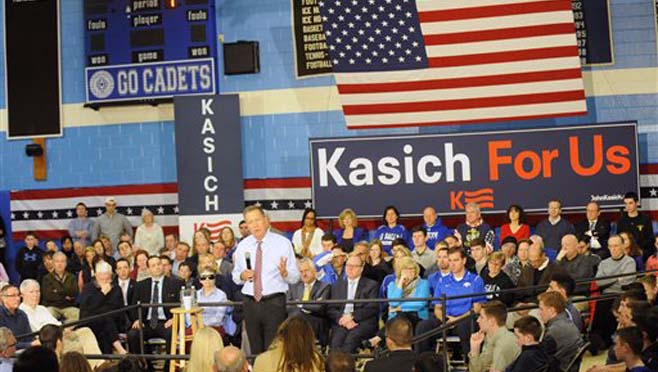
{"x": 435, "y": 62}
{"x": 48, "y": 212}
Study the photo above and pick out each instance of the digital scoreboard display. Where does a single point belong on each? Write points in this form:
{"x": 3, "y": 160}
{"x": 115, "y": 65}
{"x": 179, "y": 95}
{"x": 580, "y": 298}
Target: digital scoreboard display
{"x": 149, "y": 49}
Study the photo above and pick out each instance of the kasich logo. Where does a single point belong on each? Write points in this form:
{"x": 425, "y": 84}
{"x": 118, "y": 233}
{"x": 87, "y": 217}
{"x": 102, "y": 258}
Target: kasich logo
{"x": 101, "y": 84}
{"x": 483, "y": 197}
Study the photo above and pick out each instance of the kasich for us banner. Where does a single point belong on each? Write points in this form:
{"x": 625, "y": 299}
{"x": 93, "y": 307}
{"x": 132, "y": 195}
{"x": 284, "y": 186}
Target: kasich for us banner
{"x": 494, "y": 169}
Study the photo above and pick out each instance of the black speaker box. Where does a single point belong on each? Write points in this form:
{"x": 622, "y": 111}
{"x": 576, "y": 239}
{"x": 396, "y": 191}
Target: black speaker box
{"x": 241, "y": 57}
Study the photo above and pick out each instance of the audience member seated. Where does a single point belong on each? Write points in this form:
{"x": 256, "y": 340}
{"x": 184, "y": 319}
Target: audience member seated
{"x": 72, "y": 261}
{"x": 349, "y": 231}
{"x": 101, "y": 247}
{"x": 213, "y": 316}
{"x": 533, "y": 356}
{"x": 561, "y": 339}
{"x": 126, "y": 252}
{"x": 207, "y": 342}
{"x": 495, "y": 280}
{"x": 391, "y": 229}
{"x": 293, "y": 348}
{"x": 408, "y": 285}
{"x": 7, "y": 349}
{"x": 185, "y": 273}
{"x": 140, "y": 268}
{"x": 512, "y": 265}
{"x": 87, "y": 271}
{"x": 307, "y": 239}
{"x": 473, "y": 228}
{"x": 596, "y": 229}
{"x": 29, "y": 258}
{"x": 36, "y": 358}
{"x": 127, "y": 286}
{"x": 180, "y": 255}
{"x": 628, "y": 349}
{"x": 500, "y": 348}
{"x": 52, "y": 337}
{"x": 98, "y": 297}
{"x": 224, "y": 264}
{"x": 537, "y": 273}
{"x": 553, "y": 228}
{"x": 156, "y": 320}
{"x": 376, "y": 261}
{"x": 632, "y": 250}
{"x": 652, "y": 261}
{"x": 516, "y": 226}
{"x": 228, "y": 239}
{"x": 46, "y": 266}
{"x": 60, "y": 291}
{"x": 331, "y": 265}
{"x": 436, "y": 230}
{"x": 230, "y": 359}
{"x": 564, "y": 284}
{"x": 201, "y": 244}
{"x": 353, "y": 322}
{"x": 604, "y": 324}
{"x": 522, "y": 249}
{"x": 338, "y": 361}
{"x": 74, "y": 362}
{"x": 650, "y": 286}
{"x": 421, "y": 252}
{"x": 636, "y": 223}
{"x": 578, "y": 266}
{"x": 166, "y": 265}
{"x": 14, "y": 318}
{"x": 441, "y": 268}
{"x": 399, "y": 332}
{"x": 594, "y": 259}
{"x": 459, "y": 282}
{"x": 310, "y": 289}
{"x": 479, "y": 256}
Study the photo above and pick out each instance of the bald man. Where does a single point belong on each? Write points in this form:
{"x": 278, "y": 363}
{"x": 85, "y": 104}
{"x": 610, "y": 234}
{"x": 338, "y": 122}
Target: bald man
{"x": 570, "y": 259}
{"x": 230, "y": 359}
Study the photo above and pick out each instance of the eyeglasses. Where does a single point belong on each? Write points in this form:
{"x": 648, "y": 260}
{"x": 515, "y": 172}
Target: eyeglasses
{"x": 208, "y": 277}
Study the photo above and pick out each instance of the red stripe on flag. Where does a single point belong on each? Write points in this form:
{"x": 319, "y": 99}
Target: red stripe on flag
{"x": 648, "y": 168}
{"x": 502, "y": 34}
{"x": 494, "y": 11}
{"x": 58, "y": 234}
{"x": 95, "y": 191}
{"x": 275, "y": 183}
{"x": 464, "y": 82}
{"x": 478, "y": 121}
{"x": 506, "y": 56}
{"x": 461, "y": 104}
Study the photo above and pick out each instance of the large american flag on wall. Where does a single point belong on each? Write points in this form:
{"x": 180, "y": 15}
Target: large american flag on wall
{"x": 439, "y": 62}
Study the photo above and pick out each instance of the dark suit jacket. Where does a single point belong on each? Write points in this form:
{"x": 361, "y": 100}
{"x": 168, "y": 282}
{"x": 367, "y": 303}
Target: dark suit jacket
{"x": 363, "y": 312}
{"x": 170, "y": 293}
{"x": 319, "y": 291}
{"x": 94, "y": 302}
{"x": 131, "y": 288}
{"x": 601, "y": 231}
{"x": 396, "y": 361}
{"x": 528, "y": 278}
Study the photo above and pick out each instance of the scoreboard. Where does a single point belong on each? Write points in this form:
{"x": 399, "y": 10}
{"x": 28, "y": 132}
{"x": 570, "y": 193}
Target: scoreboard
{"x": 149, "y": 49}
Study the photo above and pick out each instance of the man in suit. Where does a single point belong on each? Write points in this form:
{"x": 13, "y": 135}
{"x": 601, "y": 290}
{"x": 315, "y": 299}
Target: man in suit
{"x": 353, "y": 322}
{"x": 597, "y": 230}
{"x": 309, "y": 289}
{"x": 127, "y": 286}
{"x": 157, "y": 321}
{"x": 399, "y": 332}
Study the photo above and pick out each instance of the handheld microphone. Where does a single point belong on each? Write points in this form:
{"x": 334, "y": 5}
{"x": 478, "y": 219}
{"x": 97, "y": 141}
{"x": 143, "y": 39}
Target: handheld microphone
{"x": 247, "y": 257}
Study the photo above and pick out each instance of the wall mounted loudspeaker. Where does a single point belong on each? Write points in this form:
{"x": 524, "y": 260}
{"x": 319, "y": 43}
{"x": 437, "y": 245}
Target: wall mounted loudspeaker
{"x": 241, "y": 57}
{"x": 33, "y": 149}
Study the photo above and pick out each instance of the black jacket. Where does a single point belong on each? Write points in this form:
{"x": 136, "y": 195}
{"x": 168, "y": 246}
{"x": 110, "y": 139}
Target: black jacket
{"x": 364, "y": 313}
{"x": 395, "y": 361}
{"x": 532, "y": 358}
{"x": 642, "y": 230}
{"x": 94, "y": 302}
{"x": 319, "y": 291}
{"x": 170, "y": 293}
{"x": 601, "y": 231}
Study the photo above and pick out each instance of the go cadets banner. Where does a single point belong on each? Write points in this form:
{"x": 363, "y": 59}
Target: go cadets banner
{"x": 494, "y": 169}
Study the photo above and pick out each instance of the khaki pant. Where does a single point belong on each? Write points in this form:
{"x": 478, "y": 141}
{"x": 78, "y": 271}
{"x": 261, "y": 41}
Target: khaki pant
{"x": 83, "y": 341}
{"x": 70, "y": 314}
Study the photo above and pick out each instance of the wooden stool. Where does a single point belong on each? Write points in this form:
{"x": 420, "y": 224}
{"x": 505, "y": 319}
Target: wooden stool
{"x": 178, "y": 332}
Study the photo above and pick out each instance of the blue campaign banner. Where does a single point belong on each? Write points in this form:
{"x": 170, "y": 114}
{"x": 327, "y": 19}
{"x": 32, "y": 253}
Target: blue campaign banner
{"x": 493, "y": 169}
{"x": 150, "y": 80}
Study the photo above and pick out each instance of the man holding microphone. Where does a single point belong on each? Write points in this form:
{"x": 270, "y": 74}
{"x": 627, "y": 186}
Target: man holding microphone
{"x": 265, "y": 265}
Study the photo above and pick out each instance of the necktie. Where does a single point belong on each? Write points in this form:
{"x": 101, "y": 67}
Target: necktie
{"x": 153, "y": 322}
{"x": 351, "y": 292}
{"x": 307, "y": 293}
{"x": 258, "y": 280}
{"x": 592, "y": 224}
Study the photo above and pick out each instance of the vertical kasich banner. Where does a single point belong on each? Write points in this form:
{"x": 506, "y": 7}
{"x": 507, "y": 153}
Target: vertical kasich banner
{"x": 209, "y": 163}
{"x": 311, "y": 50}
{"x": 494, "y": 169}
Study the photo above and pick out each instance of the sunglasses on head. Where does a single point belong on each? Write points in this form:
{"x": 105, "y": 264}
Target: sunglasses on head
{"x": 207, "y": 277}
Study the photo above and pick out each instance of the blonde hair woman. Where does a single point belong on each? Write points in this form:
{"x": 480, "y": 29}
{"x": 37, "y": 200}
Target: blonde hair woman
{"x": 408, "y": 284}
{"x": 349, "y": 232}
{"x": 206, "y": 343}
{"x": 293, "y": 349}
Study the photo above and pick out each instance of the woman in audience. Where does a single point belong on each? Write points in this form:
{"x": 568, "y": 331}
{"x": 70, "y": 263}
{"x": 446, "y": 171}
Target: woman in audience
{"x": 213, "y": 316}
{"x": 376, "y": 259}
{"x": 200, "y": 245}
{"x": 391, "y": 229}
{"x": 293, "y": 350}
{"x": 632, "y": 250}
{"x": 207, "y": 342}
{"x": 98, "y": 297}
{"x": 52, "y": 337}
{"x": 74, "y": 362}
{"x": 140, "y": 269}
{"x": 149, "y": 235}
{"x": 227, "y": 236}
{"x": 515, "y": 225}
{"x": 652, "y": 261}
{"x": 307, "y": 240}
{"x": 72, "y": 261}
{"x": 87, "y": 272}
{"x": 495, "y": 279}
{"x": 408, "y": 285}
{"x": 101, "y": 253}
{"x": 349, "y": 232}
